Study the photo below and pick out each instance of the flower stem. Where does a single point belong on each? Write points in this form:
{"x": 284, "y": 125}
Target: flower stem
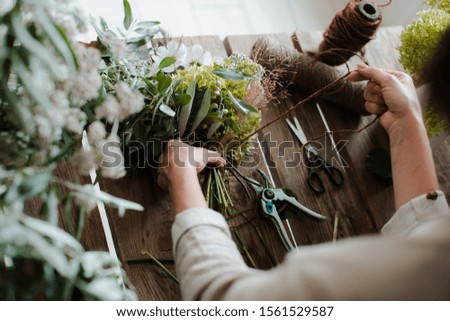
{"x": 165, "y": 270}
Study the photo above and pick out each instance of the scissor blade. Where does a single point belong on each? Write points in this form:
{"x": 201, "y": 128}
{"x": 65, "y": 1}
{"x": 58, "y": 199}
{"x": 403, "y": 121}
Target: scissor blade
{"x": 330, "y": 136}
{"x": 297, "y": 131}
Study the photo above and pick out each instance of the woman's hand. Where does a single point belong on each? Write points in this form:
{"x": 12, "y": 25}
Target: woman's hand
{"x": 181, "y": 159}
{"x": 393, "y": 95}
{"x": 178, "y": 171}
{"x": 390, "y": 93}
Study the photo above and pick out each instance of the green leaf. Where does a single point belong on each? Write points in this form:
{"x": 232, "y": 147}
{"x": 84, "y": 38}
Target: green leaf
{"x": 203, "y": 111}
{"x": 147, "y": 24}
{"x": 128, "y": 20}
{"x": 55, "y": 37}
{"x": 237, "y": 104}
{"x": 215, "y": 127}
{"x": 231, "y": 74}
{"x": 186, "y": 109}
{"x": 183, "y": 99}
{"x": 247, "y": 106}
{"x": 166, "y": 62}
{"x": 164, "y": 81}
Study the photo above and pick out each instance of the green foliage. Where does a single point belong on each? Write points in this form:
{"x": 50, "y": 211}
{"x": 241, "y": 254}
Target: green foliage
{"x": 434, "y": 123}
{"x": 420, "y": 39}
{"x": 418, "y": 42}
{"x": 439, "y": 4}
{"x": 49, "y": 89}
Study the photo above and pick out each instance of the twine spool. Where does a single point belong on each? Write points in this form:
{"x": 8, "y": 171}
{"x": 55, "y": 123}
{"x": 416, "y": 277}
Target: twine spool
{"x": 351, "y": 29}
{"x": 297, "y": 71}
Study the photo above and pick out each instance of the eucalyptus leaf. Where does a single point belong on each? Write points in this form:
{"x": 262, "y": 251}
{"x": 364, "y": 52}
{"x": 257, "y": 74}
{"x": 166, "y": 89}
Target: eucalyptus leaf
{"x": 237, "y": 105}
{"x": 186, "y": 109}
{"x": 247, "y": 106}
{"x": 128, "y": 19}
{"x": 215, "y": 127}
{"x": 166, "y": 62}
{"x": 147, "y": 24}
{"x": 35, "y": 47}
{"x": 55, "y": 37}
{"x": 203, "y": 111}
{"x": 231, "y": 74}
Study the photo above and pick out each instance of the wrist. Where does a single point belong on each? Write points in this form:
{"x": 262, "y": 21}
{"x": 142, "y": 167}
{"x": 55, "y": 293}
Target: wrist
{"x": 411, "y": 124}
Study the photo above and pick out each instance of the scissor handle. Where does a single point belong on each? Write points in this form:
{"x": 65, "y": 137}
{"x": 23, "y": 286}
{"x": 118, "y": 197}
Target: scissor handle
{"x": 334, "y": 174}
{"x": 315, "y": 181}
{"x": 270, "y": 211}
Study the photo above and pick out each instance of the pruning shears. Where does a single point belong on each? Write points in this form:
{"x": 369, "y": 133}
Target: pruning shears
{"x": 274, "y": 201}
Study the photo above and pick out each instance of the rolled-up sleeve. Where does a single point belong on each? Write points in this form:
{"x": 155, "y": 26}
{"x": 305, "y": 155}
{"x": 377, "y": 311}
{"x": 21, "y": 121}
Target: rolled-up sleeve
{"x": 419, "y": 210}
{"x": 390, "y": 266}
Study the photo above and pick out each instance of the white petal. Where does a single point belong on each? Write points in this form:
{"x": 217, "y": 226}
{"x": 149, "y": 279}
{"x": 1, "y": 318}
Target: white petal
{"x": 167, "y": 110}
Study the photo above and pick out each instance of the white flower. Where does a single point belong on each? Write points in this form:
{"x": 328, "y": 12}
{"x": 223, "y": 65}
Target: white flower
{"x": 126, "y": 103}
{"x": 96, "y": 133}
{"x": 85, "y": 161}
{"x": 131, "y": 102}
{"x": 75, "y": 120}
{"x": 108, "y": 110}
{"x": 197, "y": 56}
{"x": 115, "y": 44}
{"x": 171, "y": 50}
{"x": 89, "y": 202}
{"x": 6, "y": 6}
{"x": 112, "y": 164}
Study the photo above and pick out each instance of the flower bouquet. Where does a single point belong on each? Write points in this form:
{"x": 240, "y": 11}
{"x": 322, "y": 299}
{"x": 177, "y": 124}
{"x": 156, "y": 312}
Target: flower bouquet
{"x": 164, "y": 90}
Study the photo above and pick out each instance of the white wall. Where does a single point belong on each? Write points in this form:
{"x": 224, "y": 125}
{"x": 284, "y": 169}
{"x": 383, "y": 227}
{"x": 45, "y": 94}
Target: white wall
{"x": 222, "y": 17}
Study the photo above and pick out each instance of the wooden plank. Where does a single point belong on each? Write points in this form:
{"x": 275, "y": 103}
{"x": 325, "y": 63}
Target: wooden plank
{"x": 377, "y": 197}
{"x": 93, "y": 238}
{"x": 286, "y": 162}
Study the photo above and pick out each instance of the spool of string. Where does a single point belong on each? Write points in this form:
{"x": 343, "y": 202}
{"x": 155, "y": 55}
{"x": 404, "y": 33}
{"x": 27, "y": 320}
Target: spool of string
{"x": 350, "y": 30}
{"x": 296, "y": 71}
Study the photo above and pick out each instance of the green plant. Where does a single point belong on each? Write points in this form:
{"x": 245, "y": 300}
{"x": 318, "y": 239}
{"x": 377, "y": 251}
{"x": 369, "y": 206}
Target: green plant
{"x": 418, "y": 42}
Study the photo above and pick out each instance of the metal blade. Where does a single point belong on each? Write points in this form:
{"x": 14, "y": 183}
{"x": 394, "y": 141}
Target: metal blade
{"x": 297, "y": 130}
{"x": 330, "y": 136}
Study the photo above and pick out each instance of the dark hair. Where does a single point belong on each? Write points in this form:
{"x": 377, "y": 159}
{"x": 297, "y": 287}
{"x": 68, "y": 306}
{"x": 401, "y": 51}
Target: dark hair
{"x": 437, "y": 74}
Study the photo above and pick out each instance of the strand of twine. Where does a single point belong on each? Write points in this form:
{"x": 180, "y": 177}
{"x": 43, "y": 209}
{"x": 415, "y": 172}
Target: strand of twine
{"x": 385, "y": 5}
{"x": 290, "y": 110}
{"x": 350, "y": 30}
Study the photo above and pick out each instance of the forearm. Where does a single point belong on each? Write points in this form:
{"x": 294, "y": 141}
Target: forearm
{"x": 412, "y": 161}
{"x": 185, "y": 191}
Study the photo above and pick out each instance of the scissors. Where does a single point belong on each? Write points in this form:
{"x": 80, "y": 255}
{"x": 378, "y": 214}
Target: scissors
{"x": 272, "y": 197}
{"x": 315, "y": 162}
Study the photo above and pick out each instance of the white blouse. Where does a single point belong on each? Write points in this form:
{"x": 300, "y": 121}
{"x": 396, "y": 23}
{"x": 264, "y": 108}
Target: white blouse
{"x": 409, "y": 260}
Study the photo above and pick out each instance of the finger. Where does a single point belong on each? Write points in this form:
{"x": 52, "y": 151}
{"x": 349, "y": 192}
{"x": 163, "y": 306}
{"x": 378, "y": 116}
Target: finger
{"x": 355, "y": 76}
{"x": 216, "y": 159}
{"x": 380, "y": 76}
{"x": 374, "y": 97}
{"x": 374, "y": 108}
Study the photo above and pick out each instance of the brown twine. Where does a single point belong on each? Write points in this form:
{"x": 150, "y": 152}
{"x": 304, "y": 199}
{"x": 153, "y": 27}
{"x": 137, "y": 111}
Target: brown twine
{"x": 350, "y": 30}
{"x": 386, "y": 4}
{"x": 300, "y": 103}
{"x": 299, "y": 72}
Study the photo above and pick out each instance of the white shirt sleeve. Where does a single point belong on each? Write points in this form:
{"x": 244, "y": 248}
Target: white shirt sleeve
{"x": 382, "y": 267}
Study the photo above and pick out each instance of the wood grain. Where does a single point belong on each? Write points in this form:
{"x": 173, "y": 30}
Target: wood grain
{"x": 364, "y": 203}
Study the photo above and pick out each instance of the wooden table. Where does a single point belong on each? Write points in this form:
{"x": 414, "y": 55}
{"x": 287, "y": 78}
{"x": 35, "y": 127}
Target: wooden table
{"x": 363, "y": 204}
